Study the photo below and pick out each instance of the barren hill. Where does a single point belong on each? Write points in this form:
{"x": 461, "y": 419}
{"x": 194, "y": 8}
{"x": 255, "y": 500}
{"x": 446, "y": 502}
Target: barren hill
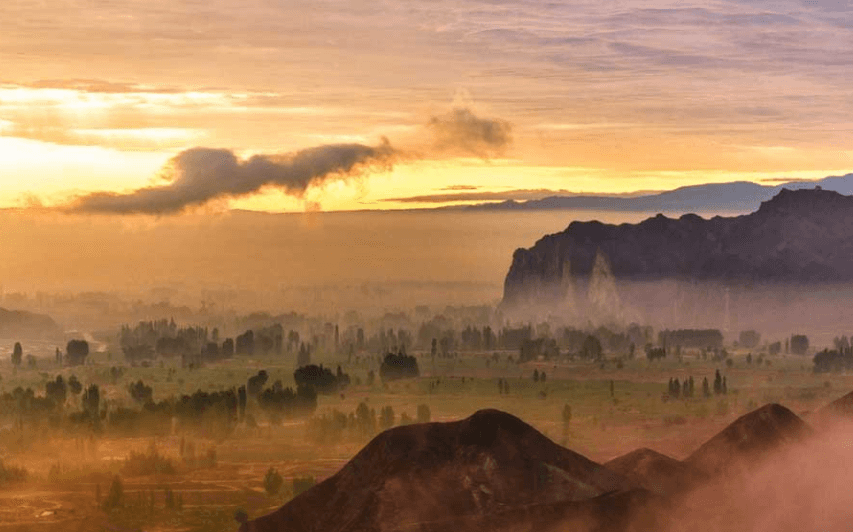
{"x": 654, "y": 471}
{"x": 748, "y": 438}
{"x": 471, "y": 474}
{"x": 20, "y": 324}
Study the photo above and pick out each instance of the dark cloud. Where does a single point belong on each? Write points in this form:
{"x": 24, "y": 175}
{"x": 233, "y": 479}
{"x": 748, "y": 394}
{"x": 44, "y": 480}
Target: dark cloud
{"x": 460, "y": 187}
{"x": 461, "y": 131}
{"x": 200, "y": 175}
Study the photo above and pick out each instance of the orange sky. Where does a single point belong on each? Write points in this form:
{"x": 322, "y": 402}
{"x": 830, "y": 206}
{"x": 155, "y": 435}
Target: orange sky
{"x": 597, "y": 97}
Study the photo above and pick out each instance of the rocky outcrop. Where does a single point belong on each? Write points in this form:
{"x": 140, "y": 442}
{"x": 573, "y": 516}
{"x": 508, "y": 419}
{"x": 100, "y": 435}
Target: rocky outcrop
{"x": 798, "y": 236}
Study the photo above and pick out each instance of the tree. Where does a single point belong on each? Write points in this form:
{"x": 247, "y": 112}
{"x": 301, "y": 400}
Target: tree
{"x": 386, "y": 418}
{"x": 115, "y": 497}
{"x": 74, "y": 385}
{"x": 140, "y": 392}
{"x": 799, "y": 344}
{"x": 56, "y": 391}
{"x": 241, "y": 403}
{"x": 76, "y": 352}
{"x": 591, "y": 348}
{"x": 17, "y": 354}
{"x": 92, "y": 401}
{"x": 567, "y": 419}
{"x": 272, "y": 482}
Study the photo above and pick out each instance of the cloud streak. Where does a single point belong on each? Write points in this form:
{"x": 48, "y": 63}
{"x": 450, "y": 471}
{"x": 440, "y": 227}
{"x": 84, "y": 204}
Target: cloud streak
{"x": 201, "y": 175}
{"x": 198, "y": 175}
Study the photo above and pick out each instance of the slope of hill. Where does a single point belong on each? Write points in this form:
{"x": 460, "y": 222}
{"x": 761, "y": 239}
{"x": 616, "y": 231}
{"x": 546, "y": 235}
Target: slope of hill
{"x": 749, "y": 438}
{"x": 462, "y": 475}
{"x": 654, "y": 471}
{"x": 799, "y": 236}
{"x": 20, "y": 324}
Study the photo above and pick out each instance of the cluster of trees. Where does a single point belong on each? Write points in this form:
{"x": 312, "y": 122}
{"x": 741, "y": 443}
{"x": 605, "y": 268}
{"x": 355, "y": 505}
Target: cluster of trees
{"x": 678, "y": 389}
{"x": 546, "y": 348}
{"x": 399, "y": 366}
{"x": 749, "y": 339}
{"x": 214, "y": 414}
{"x": 163, "y": 338}
{"x": 321, "y": 379}
{"x": 284, "y": 403}
{"x": 691, "y": 338}
{"x": 836, "y": 361}
{"x": 364, "y": 422}
{"x": 76, "y": 352}
{"x": 685, "y": 390}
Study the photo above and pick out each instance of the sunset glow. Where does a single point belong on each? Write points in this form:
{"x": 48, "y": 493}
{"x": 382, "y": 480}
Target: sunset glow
{"x": 599, "y": 98}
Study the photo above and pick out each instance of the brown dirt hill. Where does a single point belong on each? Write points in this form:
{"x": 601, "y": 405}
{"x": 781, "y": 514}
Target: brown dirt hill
{"x": 654, "y": 471}
{"x": 748, "y": 438}
{"x": 843, "y": 406}
{"x": 466, "y": 475}
{"x": 839, "y": 410}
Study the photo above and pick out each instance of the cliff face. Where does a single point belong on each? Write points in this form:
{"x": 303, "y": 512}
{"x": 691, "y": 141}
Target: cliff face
{"x": 801, "y": 236}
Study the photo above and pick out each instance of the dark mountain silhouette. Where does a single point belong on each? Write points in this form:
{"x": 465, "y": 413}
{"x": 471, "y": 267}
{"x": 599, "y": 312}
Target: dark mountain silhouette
{"x": 20, "y": 324}
{"x": 748, "y": 439}
{"x": 654, "y": 471}
{"x": 803, "y": 236}
{"x": 738, "y": 196}
{"x": 487, "y": 472}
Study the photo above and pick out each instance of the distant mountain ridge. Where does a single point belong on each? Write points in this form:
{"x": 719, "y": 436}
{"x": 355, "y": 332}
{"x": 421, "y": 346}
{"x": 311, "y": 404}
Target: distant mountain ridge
{"x": 738, "y": 196}
{"x": 798, "y": 236}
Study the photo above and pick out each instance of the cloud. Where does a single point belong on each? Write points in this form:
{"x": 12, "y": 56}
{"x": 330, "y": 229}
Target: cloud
{"x": 461, "y": 131}
{"x": 503, "y": 195}
{"x": 200, "y": 175}
{"x": 460, "y": 187}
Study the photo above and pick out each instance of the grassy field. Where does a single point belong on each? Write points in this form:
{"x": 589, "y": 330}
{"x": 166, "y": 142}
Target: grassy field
{"x": 616, "y": 407}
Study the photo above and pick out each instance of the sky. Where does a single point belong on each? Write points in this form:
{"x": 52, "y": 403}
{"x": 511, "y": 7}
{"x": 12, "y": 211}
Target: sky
{"x": 166, "y": 106}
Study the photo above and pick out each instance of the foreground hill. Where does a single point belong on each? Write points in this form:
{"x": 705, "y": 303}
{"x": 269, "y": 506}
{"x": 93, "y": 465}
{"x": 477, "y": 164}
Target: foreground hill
{"x": 801, "y": 236}
{"x": 654, "y": 471}
{"x": 20, "y": 324}
{"x": 485, "y": 472}
{"x": 749, "y": 438}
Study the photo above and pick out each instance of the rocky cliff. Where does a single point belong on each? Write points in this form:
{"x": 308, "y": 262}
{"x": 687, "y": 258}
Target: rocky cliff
{"x": 798, "y": 236}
